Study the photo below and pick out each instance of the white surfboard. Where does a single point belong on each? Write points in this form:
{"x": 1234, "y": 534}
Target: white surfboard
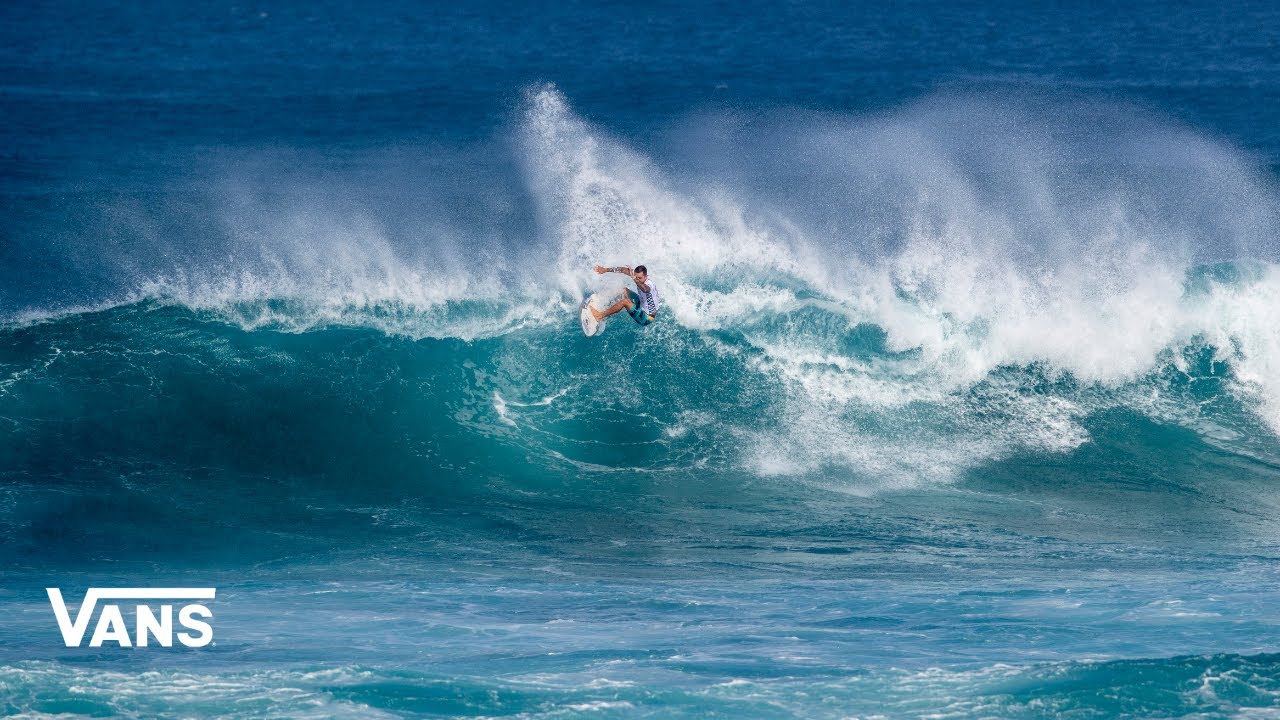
{"x": 590, "y": 325}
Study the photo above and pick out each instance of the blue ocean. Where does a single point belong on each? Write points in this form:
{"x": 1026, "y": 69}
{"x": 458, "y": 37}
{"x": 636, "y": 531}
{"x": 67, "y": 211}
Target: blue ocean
{"x": 963, "y": 400}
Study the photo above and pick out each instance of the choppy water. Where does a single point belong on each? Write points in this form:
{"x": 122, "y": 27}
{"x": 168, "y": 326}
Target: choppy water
{"x": 964, "y": 401}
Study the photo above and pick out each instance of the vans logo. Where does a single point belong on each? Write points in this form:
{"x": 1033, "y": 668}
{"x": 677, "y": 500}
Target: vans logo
{"x": 112, "y": 628}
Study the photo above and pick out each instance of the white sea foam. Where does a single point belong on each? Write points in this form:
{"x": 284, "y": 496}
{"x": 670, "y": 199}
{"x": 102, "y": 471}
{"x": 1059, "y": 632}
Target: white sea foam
{"x": 1057, "y": 263}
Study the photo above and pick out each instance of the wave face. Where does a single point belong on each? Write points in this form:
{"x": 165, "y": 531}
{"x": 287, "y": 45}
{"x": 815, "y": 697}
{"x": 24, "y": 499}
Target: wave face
{"x": 880, "y": 302}
{"x": 943, "y": 405}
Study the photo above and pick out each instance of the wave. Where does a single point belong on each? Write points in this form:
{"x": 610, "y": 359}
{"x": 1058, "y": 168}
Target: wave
{"x": 876, "y": 302}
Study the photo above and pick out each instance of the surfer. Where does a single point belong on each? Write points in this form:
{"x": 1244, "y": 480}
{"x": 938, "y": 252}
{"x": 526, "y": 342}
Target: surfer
{"x": 642, "y": 307}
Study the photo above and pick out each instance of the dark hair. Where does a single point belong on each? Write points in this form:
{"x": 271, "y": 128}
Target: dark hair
{"x": 641, "y": 268}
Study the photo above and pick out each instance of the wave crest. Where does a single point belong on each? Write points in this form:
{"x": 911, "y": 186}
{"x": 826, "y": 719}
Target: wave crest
{"x": 919, "y": 291}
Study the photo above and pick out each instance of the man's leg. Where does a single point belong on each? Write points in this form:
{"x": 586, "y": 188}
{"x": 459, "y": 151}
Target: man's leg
{"x": 623, "y": 304}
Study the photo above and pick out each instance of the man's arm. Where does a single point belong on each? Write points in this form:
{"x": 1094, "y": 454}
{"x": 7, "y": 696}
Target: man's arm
{"x": 624, "y": 269}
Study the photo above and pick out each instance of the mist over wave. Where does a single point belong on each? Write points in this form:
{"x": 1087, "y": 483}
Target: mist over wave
{"x": 905, "y": 295}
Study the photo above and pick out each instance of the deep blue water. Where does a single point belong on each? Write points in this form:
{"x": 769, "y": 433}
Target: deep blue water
{"x": 964, "y": 400}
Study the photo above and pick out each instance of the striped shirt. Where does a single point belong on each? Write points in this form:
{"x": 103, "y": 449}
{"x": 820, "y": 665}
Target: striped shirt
{"x": 649, "y": 300}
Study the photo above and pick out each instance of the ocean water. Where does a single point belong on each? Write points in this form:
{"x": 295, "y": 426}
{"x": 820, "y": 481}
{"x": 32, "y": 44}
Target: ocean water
{"x": 964, "y": 400}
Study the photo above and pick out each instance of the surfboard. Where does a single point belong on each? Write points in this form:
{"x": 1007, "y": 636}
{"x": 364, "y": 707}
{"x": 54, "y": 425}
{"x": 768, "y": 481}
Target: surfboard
{"x": 590, "y": 325}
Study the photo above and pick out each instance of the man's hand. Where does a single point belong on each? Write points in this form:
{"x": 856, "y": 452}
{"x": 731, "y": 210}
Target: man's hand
{"x": 601, "y": 270}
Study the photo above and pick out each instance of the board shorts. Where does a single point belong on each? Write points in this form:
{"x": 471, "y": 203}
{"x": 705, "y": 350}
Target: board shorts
{"x": 641, "y": 317}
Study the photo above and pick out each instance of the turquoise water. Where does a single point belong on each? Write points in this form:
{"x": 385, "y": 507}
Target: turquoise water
{"x": 963, "y": 401}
